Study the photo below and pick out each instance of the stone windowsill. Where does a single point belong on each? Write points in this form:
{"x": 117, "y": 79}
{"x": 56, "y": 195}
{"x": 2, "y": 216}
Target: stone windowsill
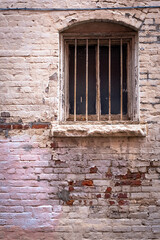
{"x": 99, "y": 130}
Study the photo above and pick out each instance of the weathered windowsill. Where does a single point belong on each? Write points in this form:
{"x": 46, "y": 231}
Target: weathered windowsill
{"x": 99, "y": 130}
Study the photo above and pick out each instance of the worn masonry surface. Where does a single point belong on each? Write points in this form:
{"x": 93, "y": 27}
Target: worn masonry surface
{"x": 73, "y": 188}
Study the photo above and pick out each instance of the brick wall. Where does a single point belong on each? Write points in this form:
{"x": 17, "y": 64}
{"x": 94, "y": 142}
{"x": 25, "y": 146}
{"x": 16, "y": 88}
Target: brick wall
{"x": 73, "y": 188}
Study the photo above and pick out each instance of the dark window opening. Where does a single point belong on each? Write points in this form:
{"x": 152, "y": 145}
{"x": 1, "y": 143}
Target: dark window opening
{"x": 118, "y": 78}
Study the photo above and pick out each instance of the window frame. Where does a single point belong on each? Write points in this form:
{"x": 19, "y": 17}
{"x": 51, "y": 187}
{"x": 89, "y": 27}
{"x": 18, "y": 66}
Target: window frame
{"x": 132, "y": 79}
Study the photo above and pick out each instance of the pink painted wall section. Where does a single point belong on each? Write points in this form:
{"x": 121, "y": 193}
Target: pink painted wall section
{"x": 23, "y": 187}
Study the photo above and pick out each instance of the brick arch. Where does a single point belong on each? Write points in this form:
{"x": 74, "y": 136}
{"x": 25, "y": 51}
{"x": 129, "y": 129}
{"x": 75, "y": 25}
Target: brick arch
{"x": 120, "y": 18}
{"x": 98, "y": 26}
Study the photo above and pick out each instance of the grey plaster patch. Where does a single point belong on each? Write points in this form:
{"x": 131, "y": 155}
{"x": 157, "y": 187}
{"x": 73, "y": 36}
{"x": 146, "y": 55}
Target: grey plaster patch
{"x": 64, "y": 195}
{"x": 7, "y": 133}
{"x": 27, "y": 147}
{"x": 2, "y": 120}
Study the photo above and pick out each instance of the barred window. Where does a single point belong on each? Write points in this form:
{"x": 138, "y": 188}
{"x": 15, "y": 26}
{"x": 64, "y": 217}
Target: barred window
{"x": 99, "y": 73}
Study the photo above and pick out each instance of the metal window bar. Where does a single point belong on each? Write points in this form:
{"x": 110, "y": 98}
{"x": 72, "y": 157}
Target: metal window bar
{"x": 128, "y": 77}
{"x": 98, "y": 82}
{"x": 66, "y": 79}
{"x": 109, "y": 73}
{"x": 75, "y": 78}
{"x": 121, "y": 88}
{"x": 69, "y": 38}
{"x": 86, "y": 79}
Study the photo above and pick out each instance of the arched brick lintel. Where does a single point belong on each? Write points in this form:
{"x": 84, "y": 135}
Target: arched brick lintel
{"x": 122, "y": 18}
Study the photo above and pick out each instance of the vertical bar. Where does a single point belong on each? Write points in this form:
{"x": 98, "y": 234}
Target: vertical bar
{"x": 60, "y": 116}
{"x": 128, "y": 81}
{"x": 75, "y": 78}
{"x": 86, "y": 79}
{"x": 109, "y": 79}
{"x": 121, "y": 62}
{"x": 66, "y": 79}
{"x": 98, "y": 83}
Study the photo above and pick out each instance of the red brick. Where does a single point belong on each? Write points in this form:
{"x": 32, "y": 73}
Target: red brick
{"x": 108, "y": 190}
{"x": 122, "y": 195}
{"x": 109, "y": 173}
{"x": 70, "y": 183}
{"x": 107, "y": 195}
{"x": 122, "y": 202}
{"x": 58, "y": 162}
{"x": 40, "y": 125}
{"x": 53, "y": 145}
{"x": 98, "y": 195}
{"x": 87, "y": 182}
{"x": 93, "y": 169}
{"x": 131, "y": 176}
{"x": 111, "y": 202}
{"x": 136, "y": 183}
{"x": 71, "y": 188}
{"x": 117, "y": 184}
{"x": 128, "y": 182}
{"x": 5, "y": 126}
{"x": 25, "y": 127}
{"x": 17, "y": 126}
{"x": 70, "y": 202}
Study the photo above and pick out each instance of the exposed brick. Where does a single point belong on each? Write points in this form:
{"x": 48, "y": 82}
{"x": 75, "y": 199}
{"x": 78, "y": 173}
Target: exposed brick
{"x": 87, "y": 182}
{"x": 129, "y": 182}
{"x": 5, "y": 126}
{"x": 136, "y": 183}
{"x": 122, "y": 202}
{"x": 122, "y": 195}
{"x": 131, "y": 175}
{"x": 93, "y": 169}
{"x": 71, "y": 183}
{"x": 57, "y": 162}
{"x": 108, "y": 190}
{"x": 17, "y": 126}
{"x": 111, "y": 202}
{"x": 40, "y": 125}
{"x": 107, "y": 195}
{"x": 26, "y": 126}
{"x": 53, "y": 145}
{"x": 131, "y": 178}
{"x": 98, "y": 195}
{"x": 109, "y": 173}
{"x": 70, "y": 202}
{"x": 71, "y": 188}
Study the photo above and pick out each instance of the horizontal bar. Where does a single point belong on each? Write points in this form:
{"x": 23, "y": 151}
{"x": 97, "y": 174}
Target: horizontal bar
{"x": 100, "y": 35}
{"x": 93, "y": 117}
{"x": 76, "y": 9}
